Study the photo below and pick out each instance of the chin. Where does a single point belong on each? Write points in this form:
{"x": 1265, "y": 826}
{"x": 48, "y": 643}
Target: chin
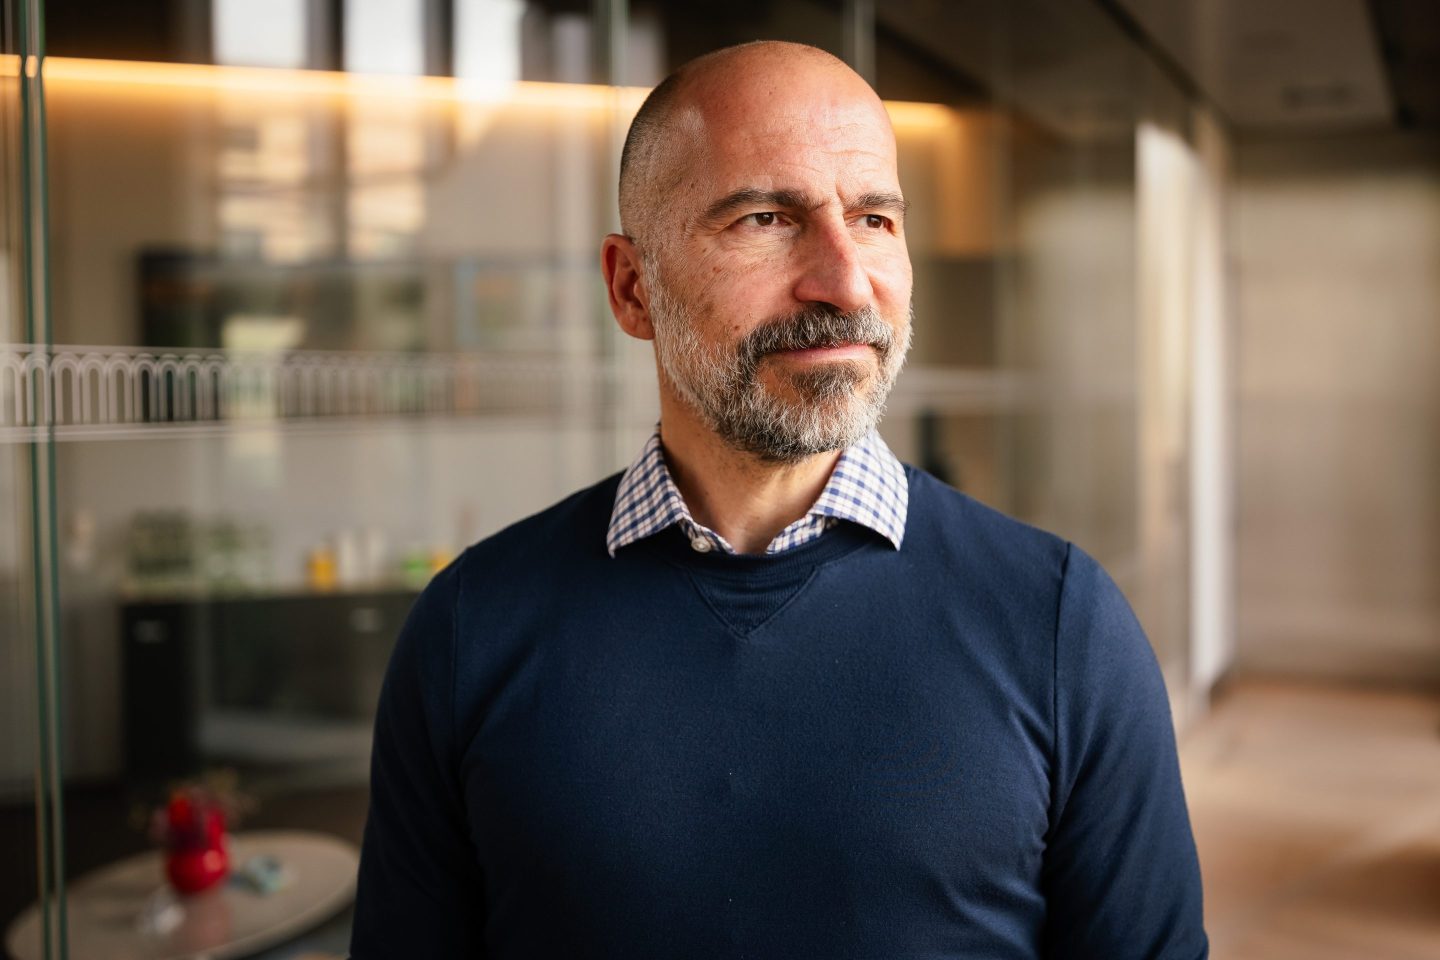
{"x": 829, "y": 384}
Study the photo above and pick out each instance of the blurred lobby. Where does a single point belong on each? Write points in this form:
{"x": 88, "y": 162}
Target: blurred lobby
{"x": 298, "y": 298}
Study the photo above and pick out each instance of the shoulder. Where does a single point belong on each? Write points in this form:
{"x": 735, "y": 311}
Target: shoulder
{"x": 533, "y": 551}
{"x": 512, "y": 571}
{"x": 986, "y": 542}
{"x": 1099, "y": 641}
{"x": 1004, "y": 550}
{"x": 573, "y": 528}
{"x": 1036, "y": 575}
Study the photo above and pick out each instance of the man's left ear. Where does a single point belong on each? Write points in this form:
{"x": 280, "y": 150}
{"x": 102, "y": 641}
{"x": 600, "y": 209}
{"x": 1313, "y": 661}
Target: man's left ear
{"x": 625, "y": 285}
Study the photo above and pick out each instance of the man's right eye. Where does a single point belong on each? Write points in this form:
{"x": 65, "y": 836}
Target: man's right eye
{"x": 764, "y": 219}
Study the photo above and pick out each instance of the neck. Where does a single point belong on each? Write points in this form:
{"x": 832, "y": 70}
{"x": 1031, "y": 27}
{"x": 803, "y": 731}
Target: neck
{"x": 745, "y": 499}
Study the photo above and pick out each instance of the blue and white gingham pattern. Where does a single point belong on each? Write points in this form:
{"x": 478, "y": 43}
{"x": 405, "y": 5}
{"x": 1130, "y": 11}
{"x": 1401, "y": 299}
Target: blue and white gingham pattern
{"x": 867, "y": 487}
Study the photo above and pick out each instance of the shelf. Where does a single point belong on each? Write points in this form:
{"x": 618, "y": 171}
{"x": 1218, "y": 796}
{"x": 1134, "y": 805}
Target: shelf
{"x": 80, "y": 392}
{"x": 171, "y": 597}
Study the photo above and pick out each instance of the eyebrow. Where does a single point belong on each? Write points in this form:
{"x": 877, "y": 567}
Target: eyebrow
{"x": 722, "y": 209}
{"x": 893, "y": 202}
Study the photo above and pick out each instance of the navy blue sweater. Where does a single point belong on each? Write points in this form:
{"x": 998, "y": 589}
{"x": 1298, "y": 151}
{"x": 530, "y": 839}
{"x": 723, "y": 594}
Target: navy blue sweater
{"x": 962, "y": 748}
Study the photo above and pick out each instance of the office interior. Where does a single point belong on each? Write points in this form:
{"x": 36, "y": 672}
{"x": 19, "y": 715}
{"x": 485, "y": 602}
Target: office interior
{"x": 300, "y": 297}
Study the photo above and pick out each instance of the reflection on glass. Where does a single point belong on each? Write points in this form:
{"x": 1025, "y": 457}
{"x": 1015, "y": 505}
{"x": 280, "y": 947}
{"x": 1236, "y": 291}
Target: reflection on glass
{"x": 345, "y": 327}
{"x": 384, "y": 36}
{"x": 260, "y": 33}
{"x": 488, "y": 50}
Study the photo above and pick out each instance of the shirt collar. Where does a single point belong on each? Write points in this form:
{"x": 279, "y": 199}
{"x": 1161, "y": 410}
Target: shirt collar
{"x": 867, "y": 486}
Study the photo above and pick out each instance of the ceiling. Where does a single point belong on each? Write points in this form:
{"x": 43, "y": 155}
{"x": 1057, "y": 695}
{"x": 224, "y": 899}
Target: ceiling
{"x": 1065, "y": 64}
{"x": 1303, "y": 65}
{"x": 1410, "y": 44}
{"x": 1267, "y": 66}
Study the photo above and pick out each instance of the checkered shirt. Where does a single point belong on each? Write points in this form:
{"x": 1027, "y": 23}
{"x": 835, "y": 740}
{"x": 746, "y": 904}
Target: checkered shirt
{"x": 867, "y": 487}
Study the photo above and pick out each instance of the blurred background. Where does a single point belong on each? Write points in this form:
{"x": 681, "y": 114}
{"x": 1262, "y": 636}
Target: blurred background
{"x": 300, "y": 297}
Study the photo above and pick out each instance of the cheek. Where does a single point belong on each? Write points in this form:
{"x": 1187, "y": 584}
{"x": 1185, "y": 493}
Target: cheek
{"x": 891, "y": 278}
{"x": 733, "y": 300}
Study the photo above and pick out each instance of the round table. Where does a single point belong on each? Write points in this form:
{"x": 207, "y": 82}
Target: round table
{"x": 106, "y": 909}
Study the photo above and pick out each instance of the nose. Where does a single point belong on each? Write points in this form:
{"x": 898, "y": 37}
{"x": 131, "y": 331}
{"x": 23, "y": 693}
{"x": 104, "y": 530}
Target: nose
{"x": 832, "y": 268}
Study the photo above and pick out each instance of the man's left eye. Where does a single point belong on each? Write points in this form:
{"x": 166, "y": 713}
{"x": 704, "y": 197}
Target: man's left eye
{"x": 876, "y": 222}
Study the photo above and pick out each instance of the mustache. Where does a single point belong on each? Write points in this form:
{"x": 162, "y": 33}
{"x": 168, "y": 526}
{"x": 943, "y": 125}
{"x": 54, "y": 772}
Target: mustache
{"x": 820, "y": 325}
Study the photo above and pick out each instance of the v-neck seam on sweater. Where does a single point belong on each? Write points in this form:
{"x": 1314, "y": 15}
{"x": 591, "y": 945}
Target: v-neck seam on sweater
{"x": 694, "y": 575}
{"x": 746, "y": 635}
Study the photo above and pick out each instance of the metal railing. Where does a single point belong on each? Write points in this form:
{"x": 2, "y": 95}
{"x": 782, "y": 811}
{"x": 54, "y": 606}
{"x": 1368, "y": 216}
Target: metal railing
{"x": 71, "y": 386}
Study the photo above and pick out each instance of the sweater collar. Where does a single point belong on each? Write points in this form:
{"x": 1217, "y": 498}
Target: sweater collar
{"x": 867, "y": 487}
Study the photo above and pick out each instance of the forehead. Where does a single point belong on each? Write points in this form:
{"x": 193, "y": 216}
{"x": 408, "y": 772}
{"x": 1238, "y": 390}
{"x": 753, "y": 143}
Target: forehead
{"x": 824, "y": 141}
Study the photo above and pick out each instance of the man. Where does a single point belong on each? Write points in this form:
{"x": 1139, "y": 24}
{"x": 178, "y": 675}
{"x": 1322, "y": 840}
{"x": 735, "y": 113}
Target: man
{"x": 770, "y": 693}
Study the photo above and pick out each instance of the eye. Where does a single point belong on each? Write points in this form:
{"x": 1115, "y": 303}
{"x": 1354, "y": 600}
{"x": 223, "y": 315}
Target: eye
{"x": 876, "y": 222}
{"x": 766, "y": 218}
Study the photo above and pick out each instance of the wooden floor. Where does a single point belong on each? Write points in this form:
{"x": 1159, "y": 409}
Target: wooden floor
{"x": 1317, "y": 815}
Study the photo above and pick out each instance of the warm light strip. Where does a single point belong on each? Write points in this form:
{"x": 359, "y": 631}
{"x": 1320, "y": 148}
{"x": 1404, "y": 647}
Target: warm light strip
{"x": 912, "y": 113}
{"x": 329, "y": 83}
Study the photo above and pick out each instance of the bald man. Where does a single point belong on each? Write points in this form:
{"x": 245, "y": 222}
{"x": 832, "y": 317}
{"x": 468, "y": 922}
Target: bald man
{"x": 770, "y": 693}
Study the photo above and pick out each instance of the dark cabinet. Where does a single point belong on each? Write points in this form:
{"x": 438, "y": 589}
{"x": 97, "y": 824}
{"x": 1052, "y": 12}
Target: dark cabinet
{"x": 255, "y": 678}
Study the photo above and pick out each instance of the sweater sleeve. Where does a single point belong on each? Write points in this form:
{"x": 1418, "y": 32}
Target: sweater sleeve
{"x": 1121, "y": 875}
{"x": 420, "y": 892}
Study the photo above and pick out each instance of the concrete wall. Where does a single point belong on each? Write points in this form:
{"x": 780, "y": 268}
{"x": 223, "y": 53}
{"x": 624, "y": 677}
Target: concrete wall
{"x": 1337, "y": 245}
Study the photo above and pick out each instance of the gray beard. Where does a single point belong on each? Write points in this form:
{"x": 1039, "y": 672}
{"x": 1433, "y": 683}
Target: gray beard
{"x": 833, "y": 405}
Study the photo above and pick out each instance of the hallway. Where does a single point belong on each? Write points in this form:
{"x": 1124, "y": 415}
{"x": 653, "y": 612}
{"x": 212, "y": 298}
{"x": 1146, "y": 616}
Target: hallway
{"x": 1317, "y": 815}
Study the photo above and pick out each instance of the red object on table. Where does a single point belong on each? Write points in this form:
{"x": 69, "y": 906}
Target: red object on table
{"x": 196, "y": 856}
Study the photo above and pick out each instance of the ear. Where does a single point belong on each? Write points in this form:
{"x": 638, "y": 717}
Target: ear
{"x": 625, "y": 284}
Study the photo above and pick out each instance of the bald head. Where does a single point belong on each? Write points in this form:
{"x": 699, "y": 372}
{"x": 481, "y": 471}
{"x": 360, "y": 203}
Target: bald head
{"x": 718, "y": 90}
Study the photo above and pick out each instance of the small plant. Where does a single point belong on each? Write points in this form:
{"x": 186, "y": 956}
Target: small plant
{"x": 191, "y": 827}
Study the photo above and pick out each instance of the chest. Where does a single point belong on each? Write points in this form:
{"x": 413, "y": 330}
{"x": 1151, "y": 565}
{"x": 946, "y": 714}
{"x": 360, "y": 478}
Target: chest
{"x": 837, "y": 762}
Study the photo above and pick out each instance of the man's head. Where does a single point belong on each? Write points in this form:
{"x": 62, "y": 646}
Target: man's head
{"x": 764, "y": 248}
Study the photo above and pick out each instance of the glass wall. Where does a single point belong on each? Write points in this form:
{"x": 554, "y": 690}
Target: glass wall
{"x": 31, "y": 816}
{"x": 327, "y": 308}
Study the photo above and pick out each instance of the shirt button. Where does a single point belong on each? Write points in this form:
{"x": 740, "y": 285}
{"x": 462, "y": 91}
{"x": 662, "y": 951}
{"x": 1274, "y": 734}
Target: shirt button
{"x": 701, "y": 545}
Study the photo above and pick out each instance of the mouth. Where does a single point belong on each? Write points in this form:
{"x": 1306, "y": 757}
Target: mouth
{"x": 839, "y": 351}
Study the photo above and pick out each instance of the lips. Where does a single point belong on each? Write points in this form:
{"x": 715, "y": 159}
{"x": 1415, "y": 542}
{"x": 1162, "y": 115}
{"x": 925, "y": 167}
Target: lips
{"x": 835, "y": 351}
